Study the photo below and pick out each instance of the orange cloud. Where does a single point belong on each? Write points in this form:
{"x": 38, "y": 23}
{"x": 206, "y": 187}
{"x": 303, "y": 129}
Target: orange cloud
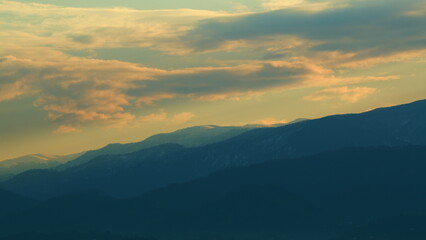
{"x": 12, "y": 90}
{"x": 270, "y": 121}
{"x": 77, "y": 91}
{"x": 66, "y": 129}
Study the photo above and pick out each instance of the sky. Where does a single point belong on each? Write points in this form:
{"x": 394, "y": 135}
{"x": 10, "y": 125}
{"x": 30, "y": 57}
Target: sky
{"x": 77, "y": 75}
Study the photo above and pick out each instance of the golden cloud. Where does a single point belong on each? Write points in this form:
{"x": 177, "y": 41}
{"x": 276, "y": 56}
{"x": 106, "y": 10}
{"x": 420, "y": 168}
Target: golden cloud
{"x": 66, "y": 129}
{"x": 346, "y": 94}
{"x": 77, "y": 91}
{"x": 154, "y": 117}
{"x": 301, "y": 5}
{"x": 66, "y": 28}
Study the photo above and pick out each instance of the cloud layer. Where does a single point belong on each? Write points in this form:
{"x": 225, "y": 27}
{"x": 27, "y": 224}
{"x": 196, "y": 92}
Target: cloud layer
{"x": 293, "y": 44}
{"x": 77, "y": 91}
{"x": 359, "y": 31}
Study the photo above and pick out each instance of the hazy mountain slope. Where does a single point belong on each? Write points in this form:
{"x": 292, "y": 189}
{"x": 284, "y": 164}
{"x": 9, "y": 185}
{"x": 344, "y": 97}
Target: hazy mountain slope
{"x": 11, "y": 167}
{"x": 134, "y": 173}
{"x": 321, "y": 195}
{"x": 188, "y": 137}
{"x": 102, "y": 174}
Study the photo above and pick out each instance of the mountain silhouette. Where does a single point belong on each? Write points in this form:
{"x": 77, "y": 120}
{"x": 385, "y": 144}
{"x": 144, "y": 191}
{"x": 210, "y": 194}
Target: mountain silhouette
{"x": 134, "y": 173}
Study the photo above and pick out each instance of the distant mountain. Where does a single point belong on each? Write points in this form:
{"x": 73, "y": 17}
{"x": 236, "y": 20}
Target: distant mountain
{"x": 315, "y": 197}
{"x": 11, "y": 167}
{"x": 187, "y": 137}
{"x": 395, "y": 228}
{"x": 134, "y": 173}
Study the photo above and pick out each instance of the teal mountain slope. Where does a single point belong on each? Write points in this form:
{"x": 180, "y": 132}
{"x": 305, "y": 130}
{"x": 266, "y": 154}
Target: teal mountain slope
{"x": 11, "y": 167}
{"x": 188, "y": 137}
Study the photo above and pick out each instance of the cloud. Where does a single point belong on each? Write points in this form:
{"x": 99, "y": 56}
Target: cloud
{"x": 360, "y": 31}
{"x": 67, "y": 28}
{"x": 182, "y": 118}
{"x": 74, "y": 90}
{"x": 341, "y": 33}
{"x": 79, "y": 91}
{"x": 10, "y": 91}
{"x": 299, "y": 5}
{"x": 300, "y": 47}
{"x": 66, "y": 129}
{"x": 346, "y": 94}
{"x": 215, "y": 83}
{"x": 162, "y": 116}
{"x": 154, "y": 117}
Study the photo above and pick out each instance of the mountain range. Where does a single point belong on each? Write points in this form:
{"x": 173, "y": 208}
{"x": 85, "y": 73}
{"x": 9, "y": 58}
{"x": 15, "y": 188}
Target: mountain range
{"x": 187, "y": 137}
{"x": 134, "y": 173}
{"x": 343, "y": 177}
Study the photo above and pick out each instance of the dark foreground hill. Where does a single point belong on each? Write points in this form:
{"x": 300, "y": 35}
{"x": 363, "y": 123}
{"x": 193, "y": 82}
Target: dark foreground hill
{"x": 395, "y": 228}
{"x": 69, "y": 236}
{"x": 135, "y": 173}
{"x": 12, "y": 203}
{"x": 315, "y": 197}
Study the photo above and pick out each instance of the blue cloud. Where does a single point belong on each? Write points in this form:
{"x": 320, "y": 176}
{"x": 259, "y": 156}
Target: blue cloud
{"x": 378, "y": 27}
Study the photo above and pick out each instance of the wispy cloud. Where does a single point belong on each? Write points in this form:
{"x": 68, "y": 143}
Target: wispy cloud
{"x": 39, "y": 25}
{"x": 66, "y": 129}
{"x": 153, "y": 117}
{"x": 346, "y": 94}
{"x": 301, "y": 5}
{"x": 182, "y": 117}
{"x": 164, "y": 117}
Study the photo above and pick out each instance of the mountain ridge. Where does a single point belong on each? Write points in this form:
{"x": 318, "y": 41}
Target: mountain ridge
{"x": 112, "y": 174}
{"x": 11, "y": 167}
